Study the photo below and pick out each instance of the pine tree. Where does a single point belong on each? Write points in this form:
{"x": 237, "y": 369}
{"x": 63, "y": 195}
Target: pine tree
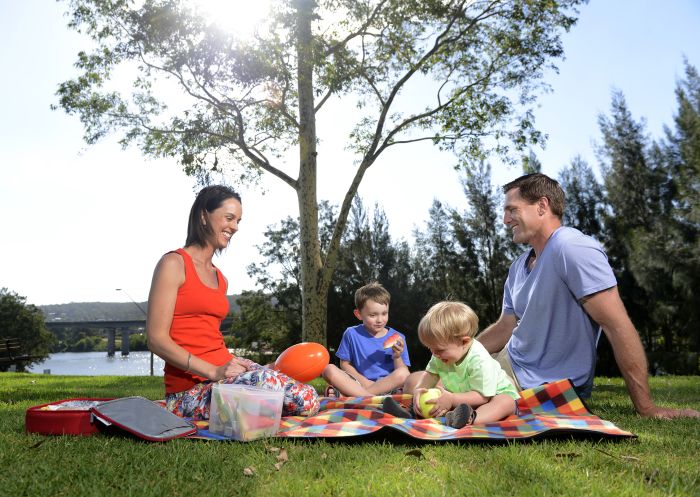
{"x": 436, "y": 263}
{"x": 531, "y": 164}
{"x": 629, "y": 193}
{"x": 682, "y": 152}
{"x": 486, "y": 250}
{"x": 584, "y": 198}
{"x": 641, "y": 235}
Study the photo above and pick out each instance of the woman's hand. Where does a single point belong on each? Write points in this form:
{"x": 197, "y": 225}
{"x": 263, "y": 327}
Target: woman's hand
{"x": 232, "y": 369}
{"x": 246, "y": 363}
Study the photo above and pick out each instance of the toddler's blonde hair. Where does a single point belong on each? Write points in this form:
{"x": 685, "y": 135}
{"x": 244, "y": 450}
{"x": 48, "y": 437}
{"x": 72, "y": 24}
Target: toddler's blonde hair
{"x": 447, "y": 322}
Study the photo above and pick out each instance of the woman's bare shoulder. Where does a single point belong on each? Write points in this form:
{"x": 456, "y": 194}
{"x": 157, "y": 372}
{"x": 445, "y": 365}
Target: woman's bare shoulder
{"x": 171, "y": 265}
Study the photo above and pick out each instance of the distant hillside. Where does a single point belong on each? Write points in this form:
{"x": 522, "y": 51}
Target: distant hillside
{"x": 107, "y": 311}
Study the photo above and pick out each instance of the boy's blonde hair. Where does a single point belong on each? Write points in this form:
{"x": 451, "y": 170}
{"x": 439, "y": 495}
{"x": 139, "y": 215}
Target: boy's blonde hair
{"x": 373, "y": 291}
{"x": 447, "y": 322}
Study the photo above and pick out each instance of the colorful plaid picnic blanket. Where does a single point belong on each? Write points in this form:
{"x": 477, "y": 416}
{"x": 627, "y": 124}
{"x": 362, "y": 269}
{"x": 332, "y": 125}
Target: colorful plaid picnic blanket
{"x": 550, "y": 409}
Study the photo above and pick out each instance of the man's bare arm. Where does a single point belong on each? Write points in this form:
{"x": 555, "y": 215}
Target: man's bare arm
{"x": 606, "y": 309}
{"x": 496, "y": 336}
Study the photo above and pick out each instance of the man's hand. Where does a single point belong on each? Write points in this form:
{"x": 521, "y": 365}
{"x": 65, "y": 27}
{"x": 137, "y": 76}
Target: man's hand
{"x": 668, "y": 413}
{"x": 496, "y": 336}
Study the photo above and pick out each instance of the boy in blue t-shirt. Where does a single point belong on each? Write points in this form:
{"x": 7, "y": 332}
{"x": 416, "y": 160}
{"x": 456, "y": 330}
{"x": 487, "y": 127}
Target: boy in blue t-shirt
{"x": 373, "y": 357}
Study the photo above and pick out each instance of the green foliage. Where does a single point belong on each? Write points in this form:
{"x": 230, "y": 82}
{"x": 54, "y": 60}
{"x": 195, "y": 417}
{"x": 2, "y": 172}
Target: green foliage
{"x": 261, "y": 322}
{"x": 531, "y": 164}
{"x": 88, "y": 340}
{"x": 24, "y": 322}
{"x": 437, "y": 263}
{"x": 684, "y": 150}
{"x": 628, "y": 208}
{"x": 683, "y": 154}
{"x": 78, "y": 339}
{"x": 584, "y": 198}
{"x": 138, "y": 342}
{"x": 480, "y": 232}
{"x": 89, "y": 344}
{"x": 650, "y": 230}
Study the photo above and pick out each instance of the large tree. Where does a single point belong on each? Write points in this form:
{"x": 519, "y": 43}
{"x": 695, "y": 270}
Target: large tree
{"x": 245, "y": 103}
{"x": 683, "y": 154}
{"x": 279, "y": 273}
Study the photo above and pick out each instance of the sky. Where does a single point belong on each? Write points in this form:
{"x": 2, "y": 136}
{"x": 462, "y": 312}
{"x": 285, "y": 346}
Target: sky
{"x": 78, "y": 222}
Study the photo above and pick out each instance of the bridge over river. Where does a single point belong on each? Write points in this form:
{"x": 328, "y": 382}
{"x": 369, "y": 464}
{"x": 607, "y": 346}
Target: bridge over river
{"x": 111, "y": 328}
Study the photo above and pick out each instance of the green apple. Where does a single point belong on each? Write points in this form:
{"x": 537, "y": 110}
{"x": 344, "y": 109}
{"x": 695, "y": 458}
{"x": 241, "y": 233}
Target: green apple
{"x": 425, "y": 408}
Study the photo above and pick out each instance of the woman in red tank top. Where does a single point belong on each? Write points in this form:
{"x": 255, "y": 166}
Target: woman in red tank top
{"x": 186, "y": 305}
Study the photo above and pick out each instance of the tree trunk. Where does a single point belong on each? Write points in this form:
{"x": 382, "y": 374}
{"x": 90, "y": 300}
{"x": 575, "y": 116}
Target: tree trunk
{"x": 314, "y": 294}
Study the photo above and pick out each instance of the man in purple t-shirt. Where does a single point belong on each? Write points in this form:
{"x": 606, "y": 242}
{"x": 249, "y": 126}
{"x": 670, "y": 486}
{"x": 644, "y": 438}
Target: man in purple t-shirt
{"x": 556, "y": 298}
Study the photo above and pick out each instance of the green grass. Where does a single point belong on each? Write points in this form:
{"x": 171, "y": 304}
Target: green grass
{"x": 662, "y": 461}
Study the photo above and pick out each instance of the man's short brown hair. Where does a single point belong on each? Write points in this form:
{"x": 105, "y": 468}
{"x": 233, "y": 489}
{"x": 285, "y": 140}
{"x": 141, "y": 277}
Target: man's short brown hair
{"x": 373, "y": 291}
{"x": 537, "y": 185}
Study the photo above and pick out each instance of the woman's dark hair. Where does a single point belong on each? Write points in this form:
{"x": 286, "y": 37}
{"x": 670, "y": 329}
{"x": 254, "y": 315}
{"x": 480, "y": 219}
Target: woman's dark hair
{"x": 208, "y": 199}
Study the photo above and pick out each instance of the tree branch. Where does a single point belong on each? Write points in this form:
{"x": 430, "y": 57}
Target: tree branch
{"x": 256, "y": 156}
{"x": 360, "y": 32}
{"x": 373, "y": 151}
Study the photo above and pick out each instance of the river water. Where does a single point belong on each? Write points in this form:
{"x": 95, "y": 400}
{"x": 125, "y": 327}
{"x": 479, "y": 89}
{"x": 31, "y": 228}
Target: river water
{"x": 98, "y": 364}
